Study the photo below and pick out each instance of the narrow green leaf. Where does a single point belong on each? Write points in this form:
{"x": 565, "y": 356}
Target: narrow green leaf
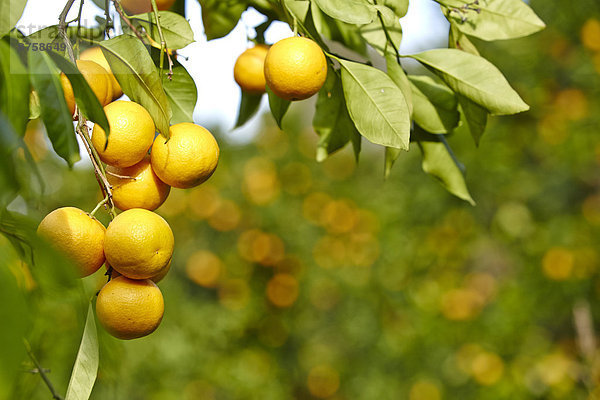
{"x": 53, "y": 107}
{"x": 14, "y": 88}
{"x": 331, "y": 121}
{"x": 11, "y": 13}
{"x": 219, "y": 17}
{"x": 476, "y": 117}
{"x": 439, "y": 161}
{"x": 475, "y": 78}
{"x": 176, "y": 29}
{"x": 249, "y": 105}
{"x": 278, "y": 107}
{"x": 493, "y": 19}
{"x": 350, "y": 11}
{"x": 182, "y": 94}
{"x": 396, "y": 72}
{"x": 85, "y": 369}
{"x": 376, "y": 105}
{"x": 84, "y": 96}
{"x": 133, "y": 67}
{"x": 435, "y": 105}
{"x": 391, "y": 155}
{"x": 374, "y": 33}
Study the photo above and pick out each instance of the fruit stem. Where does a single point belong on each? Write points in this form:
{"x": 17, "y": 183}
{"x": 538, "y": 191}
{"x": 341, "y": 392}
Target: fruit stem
{"x": 41, "y": 371}
{"x": 82, "y": 128}
{"x": 100, "y": 204}
{"x": 163, "y": 43}
{"x": 125, "y": 18}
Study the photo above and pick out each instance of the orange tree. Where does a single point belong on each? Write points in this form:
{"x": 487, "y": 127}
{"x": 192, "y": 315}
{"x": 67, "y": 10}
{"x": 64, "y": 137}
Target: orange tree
{"x": 365, "y": 92}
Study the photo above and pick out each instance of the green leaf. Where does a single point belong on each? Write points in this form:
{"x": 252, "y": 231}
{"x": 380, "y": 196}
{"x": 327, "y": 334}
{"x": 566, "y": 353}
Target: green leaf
{"x": 400, "y": 7}
{"x": 34, "y": 105}
{"x": 219, "y": 17}
{"x": 11, "y": 13}
{"x": 376, "y": 105}
{"x": 249, "y": 105}
{"x": 374, "y": 34}
{"x": 133, "y": 67}
{"x": 396, "y": 72}
{"x": 14, "y": 88}
{"x": 460, "y": 41}
{"x": 278, "y": 106}
{"x": 176, "y": 29}
{"x": 493, "y": 19}
{"x": 53, "y": 107}
{"x": 476, "y": 117}
{"x": 435, "y": 105}
{"x": 331, "y": 121}
{"x": 349, "y": 11}
{"x": 86, "y": 364}
{"x": 182, "y": 94}
{"x": 439, "y": 161}
{"x": 475, "y": 78}
{"x": 84, "y": 96}
{"x": 298, "y": 9}
{"x": 391, "y": 155}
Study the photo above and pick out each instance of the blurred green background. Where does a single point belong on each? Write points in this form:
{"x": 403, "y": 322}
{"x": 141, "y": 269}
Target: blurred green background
{"x": 294, "y": 279}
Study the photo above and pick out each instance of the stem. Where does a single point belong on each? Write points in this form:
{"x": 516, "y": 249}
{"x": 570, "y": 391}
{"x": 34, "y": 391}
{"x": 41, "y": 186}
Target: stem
{"x": 124, "y": 17}
{"x": 42, "y": 372}
{"x": 109, "y": 23}
{"x": 163, "y": 42}
{"x": 82, "y": 128}
{"x": 100, "y": 204}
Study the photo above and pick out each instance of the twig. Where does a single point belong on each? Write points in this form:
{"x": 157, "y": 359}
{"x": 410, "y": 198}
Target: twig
{"x": 163, "y": 43}
{"x": 82, "y": 128}
{"x": 109, "y": 23}
{"x": 125, "y": 18}
{"x": 120, "y": 176}
{"x": 42, "y": 372}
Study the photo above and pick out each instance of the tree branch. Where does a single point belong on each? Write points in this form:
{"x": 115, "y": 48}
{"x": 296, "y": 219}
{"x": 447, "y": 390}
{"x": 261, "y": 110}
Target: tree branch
{"x": 42, "y": 372}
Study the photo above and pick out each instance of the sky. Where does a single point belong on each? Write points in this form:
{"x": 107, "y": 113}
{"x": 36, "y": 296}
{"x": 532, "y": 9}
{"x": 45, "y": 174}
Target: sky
{"x": 211, "y": 63}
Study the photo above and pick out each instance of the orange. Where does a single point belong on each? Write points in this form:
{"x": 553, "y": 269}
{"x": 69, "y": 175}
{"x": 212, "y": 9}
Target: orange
{"x": 131, "y": 134}
{"x": 129, "y": 309}
{"x": 295, "y": 68}
{"x": 156, "y": 278}
{"x": 141, "y": 188}
{"x": 188, "y": 158}
{"x": 97, "y": 78}
{"x": 144, "y": 6}
{"x": 95, "y": 54}
{"x": 249, "y": 67}
{"x": 77, "y": 235}
{"x": 138, "y": 243}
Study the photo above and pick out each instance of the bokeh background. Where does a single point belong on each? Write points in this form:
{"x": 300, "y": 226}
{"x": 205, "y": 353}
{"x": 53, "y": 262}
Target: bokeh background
{"x": 294, "y": 279}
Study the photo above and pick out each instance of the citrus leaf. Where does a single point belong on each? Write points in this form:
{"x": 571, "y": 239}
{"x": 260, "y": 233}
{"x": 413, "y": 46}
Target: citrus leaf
{"x": 249, "y": 105}
{"x": 476, "y": 117}
{"x": 132, "y": 65}
{"x": 374, "y": 33}
{"x": 376, "y": 105}
{"x": 439, "y": 161}
{"x": 53, "y": 107}
{"x": 460, "y": 41}
{"x": 11, "y": 13}
{"x": 84, "y": 96}
{"x": 350, "y": 11}
{"x": 391, "y": 155}
{"x": 219, "y": 17}
{"x": 475, "y": 78}
{"x": 396, "y": 72}
{"x": 493, "y": 19}
{"x": 278, "y": 106}
{"x": 331, "y": 121}
{"x": 400, "y": 7}
{"x": 182, "y": 94}
{"x": 14, "y": 88}
{"x": 297, "y": 8}
{"x": 176, "y": 29}
{"x": 85, "y": 369}
{"x": 435, "y": 105}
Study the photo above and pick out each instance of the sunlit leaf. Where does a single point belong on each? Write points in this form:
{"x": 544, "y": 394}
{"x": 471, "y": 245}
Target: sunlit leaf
{"x": 10, "y": 15}
{"x": 182, "y": 94}
{"x": 350, "y": 11}
{"x": 176, "y": 29}
{"x": 435, "y": 105}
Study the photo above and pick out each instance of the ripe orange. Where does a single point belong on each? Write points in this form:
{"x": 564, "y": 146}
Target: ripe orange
{"x": 138, "y": 243}
{"x": 97, "y": 78}
{"x": 77, "y": 235}
{"x": 144, "y": 6}
{"x": 142, "y": 188}
{"x": 156, "y": 278}
{"x": 249, "y": 69}
{"x": 131, "y": 134}
{"x": 95, "y": 54}
{"x": 188, "y": 158}
{"x": 295, "y": 68}
{"x": 128, "y": 308}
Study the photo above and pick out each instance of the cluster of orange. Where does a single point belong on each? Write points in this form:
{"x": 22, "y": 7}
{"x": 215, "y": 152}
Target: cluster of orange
{"x": 138, "y": 244}
{"x": 293, "y": 68}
